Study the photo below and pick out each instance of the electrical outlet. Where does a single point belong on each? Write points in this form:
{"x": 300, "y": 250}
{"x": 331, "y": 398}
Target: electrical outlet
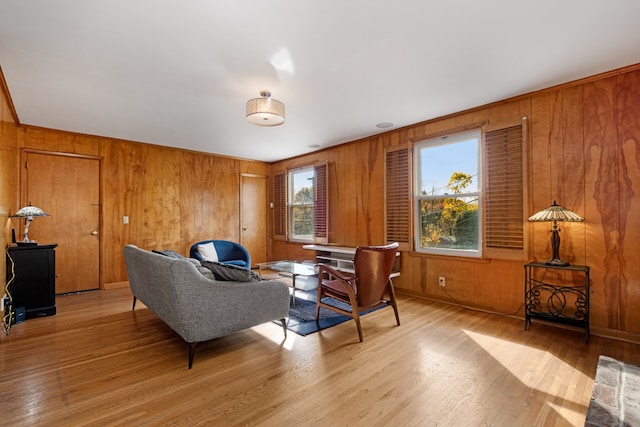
{"x": 441, "y": 281}
{"x": 4, "y": 302}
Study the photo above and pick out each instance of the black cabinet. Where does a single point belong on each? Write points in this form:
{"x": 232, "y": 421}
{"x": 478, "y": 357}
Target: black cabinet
{"x": 33, "y": 269}
{"x": 557, "y": 294}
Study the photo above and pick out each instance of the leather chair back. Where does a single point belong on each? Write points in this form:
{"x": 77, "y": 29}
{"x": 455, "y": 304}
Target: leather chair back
{"x": 373, "y": 265}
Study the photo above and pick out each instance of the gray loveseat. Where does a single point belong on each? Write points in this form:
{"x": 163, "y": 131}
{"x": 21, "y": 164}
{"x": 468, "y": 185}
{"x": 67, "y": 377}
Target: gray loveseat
{"x": 196, "y": 307}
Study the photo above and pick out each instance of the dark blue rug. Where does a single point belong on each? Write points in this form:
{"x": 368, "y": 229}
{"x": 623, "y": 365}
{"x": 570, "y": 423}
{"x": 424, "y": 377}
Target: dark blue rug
{"x": 302, "y": 315}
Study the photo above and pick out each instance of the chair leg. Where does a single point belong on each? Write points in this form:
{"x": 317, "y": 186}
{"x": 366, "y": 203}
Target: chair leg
{"x": 134, "y": 303}
{"x": 355, "y": 314}
{"x": 356, "y": 317}
{"x": 192, "y": 350}
{"x": 319, "y": 298}
{"x": 395, "y": 309}
{"x": 392, "y": 301}
{"x": 284, "y": 327}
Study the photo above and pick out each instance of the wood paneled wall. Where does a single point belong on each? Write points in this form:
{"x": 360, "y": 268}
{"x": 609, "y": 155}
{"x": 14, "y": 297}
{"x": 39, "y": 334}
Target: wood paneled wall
{"x": 173, "y": 197}
{"x": 583, "y": 150}
{"x": 8, "y": 174}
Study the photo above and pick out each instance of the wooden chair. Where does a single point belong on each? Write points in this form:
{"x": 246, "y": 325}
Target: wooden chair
{"x": 368, "y": 288}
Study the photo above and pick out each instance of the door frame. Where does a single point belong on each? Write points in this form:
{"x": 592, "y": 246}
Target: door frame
{"x": 24, "y": 152}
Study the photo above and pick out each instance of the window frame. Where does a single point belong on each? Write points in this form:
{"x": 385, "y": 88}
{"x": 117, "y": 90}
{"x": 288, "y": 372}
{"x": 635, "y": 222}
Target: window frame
{"x": 292, "y": 205}
{"x": 438, "y": 141}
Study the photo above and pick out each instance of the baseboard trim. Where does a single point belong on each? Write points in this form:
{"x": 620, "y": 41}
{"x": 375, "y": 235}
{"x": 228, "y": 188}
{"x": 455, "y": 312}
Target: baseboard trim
{"x": 116, "y": 285}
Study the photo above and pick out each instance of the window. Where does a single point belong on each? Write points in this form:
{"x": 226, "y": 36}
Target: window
{"x": 301, "y": 206}
{"x": 448, "y": 195}
{"x": 502, "y": 191}
{"x": 300, "y": 202}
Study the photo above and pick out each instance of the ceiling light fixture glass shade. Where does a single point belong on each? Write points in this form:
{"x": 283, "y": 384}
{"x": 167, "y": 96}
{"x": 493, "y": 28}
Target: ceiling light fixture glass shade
{"x": 265, "y": 111}
{"x": 555, "y": 213}
{"x": 28, "y": 212}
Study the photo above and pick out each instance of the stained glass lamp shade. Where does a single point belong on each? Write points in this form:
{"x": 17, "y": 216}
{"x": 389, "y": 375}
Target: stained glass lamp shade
{"x": 555, "y": 213}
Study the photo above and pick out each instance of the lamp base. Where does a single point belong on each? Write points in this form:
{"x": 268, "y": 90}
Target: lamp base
{"x": 556, "y": 262}
{"x": 29, "y": 243}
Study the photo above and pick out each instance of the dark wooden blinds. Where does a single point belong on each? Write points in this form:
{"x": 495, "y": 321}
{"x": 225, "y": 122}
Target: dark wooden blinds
{"x": 398, "y": 196}
{"x": 280, "y": 204}
{"x": 504, "y": 188}
{"x": 321, "y": 205}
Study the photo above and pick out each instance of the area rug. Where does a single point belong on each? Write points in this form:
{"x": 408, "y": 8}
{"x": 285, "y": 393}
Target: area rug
{"x": 302, "y": 315}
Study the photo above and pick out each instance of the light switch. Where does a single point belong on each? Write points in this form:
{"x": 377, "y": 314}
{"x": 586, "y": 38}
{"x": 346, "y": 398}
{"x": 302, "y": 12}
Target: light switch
{"x": 125, "y": 220}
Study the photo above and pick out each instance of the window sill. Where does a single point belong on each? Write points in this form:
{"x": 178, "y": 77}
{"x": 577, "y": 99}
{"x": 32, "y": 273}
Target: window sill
{"x": 476, "y": 260}
{"x": 302, "y": 242}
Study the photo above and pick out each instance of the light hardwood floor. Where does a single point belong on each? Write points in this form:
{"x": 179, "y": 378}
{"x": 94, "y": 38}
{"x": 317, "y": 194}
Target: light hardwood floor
{"x": 99, "y": 363}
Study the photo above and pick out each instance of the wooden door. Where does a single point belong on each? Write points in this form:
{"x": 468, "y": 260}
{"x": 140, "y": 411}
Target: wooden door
{"x": 253, "y": 212}
{"x": 67, "y": 188}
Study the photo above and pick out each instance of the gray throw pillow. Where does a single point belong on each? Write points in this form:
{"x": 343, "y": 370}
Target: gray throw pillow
{"x": 203, "y": 270}
{"x": 170, "y": 253}
{"x": 228, "y": 272}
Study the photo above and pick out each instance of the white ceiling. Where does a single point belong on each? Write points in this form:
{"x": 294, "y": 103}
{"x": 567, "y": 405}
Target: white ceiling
{"x": 179, "y": 72}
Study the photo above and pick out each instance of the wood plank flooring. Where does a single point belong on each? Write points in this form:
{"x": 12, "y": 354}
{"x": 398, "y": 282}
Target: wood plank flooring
{"x": 98, "y": 363}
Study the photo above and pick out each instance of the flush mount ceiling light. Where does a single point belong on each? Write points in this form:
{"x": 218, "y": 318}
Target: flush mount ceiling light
{"x": 384, "y": 125}
{"x": 265, "y": 111}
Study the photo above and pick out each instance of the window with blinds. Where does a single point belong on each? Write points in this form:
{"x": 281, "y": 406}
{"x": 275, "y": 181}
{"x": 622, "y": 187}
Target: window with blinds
{"x": 280, "y": 205}
{"x": 321, "y": 207}
{"x": 503, "y": 184}
{"x": 397, "y": 196}
{"x": 296, "y": 216}
{"x": 504, "y": 200}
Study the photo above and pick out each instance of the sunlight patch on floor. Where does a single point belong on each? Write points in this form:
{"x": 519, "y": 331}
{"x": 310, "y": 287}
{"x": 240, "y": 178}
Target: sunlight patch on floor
{"x": 273, "y": 332}
{"x": 289, "y": 342}
{"x": 501, "y": 351}
{"x": 566, "y": 413}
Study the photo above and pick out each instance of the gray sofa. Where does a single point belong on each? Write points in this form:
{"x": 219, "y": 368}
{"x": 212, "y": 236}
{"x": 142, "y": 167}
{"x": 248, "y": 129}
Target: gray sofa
{"x": 196, "y": 307}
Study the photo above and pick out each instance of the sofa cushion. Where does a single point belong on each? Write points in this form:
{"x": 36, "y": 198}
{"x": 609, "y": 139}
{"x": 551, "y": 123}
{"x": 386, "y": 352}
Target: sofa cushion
{"x": 208, "y": 252}
{"x": 229, "y": 272}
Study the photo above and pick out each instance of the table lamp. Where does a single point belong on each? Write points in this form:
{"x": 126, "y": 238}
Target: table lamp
{"x": 28, "y": 212}
{"x": 555, "y": 213}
